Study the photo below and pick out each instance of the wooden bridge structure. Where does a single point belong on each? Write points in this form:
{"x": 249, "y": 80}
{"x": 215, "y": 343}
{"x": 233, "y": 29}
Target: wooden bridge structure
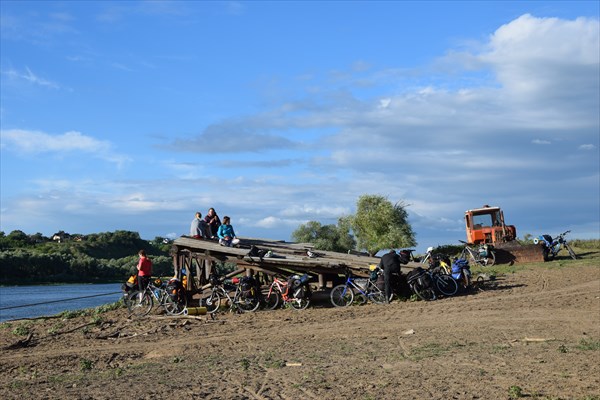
{"x": 197, "y": 259}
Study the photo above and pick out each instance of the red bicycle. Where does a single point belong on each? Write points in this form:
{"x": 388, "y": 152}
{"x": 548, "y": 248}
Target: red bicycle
{"x": 295, "y": 291}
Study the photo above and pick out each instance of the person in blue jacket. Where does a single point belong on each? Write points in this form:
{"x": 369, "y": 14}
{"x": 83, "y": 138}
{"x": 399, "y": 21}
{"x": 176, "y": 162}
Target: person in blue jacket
{"x": 226, "y": 233}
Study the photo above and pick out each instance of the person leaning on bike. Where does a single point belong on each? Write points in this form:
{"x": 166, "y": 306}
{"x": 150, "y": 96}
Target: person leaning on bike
{"x": 390, "y": 264}
{"x": 144, "y": 268}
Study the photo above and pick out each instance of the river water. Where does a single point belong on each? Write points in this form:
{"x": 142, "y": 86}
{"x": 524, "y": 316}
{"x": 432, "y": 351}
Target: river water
{"x": 35, "y": 301}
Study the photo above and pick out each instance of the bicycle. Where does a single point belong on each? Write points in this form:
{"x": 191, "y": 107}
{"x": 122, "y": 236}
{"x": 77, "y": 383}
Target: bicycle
{"x": 343, "y": 295}
{"x": 427, "y": 283}
{"x": 484, "y": 254}
{"x": 437, "y": 260}
{"x": 245, "y": 299}
{"x": 279, "y": 293}
{"x": 140, "y": 303}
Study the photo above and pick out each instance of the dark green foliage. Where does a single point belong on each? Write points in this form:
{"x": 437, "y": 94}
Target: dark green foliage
{"x": 325, "y": 237}
{"x": 379, "y": 224}
{"x": 107, "y": 256}
{"x": 451, "y": 250}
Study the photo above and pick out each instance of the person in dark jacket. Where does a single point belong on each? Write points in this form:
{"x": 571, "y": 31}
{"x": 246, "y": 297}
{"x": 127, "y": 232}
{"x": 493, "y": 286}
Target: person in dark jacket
{"x": 390, "y": 264}
{"x": 213, "y": 221}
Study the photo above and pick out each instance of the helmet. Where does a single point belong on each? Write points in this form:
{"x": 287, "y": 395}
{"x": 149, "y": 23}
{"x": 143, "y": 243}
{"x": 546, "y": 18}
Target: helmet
{"x": 429, "y": 249}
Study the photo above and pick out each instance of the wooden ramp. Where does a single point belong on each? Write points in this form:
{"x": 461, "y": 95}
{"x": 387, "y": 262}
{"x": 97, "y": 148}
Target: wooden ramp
{"x": 197, "y": 258}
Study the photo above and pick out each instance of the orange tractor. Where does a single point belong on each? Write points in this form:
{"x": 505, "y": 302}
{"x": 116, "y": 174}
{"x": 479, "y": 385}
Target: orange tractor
{"x": 486, "y": 225}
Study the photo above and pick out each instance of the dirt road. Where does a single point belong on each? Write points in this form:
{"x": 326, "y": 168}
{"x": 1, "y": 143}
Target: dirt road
{"x": 535, "y": 335}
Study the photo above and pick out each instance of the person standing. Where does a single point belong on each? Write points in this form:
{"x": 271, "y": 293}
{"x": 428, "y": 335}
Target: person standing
{"x": 144, "y": 268}
{"x": 390, "y": 263}
{"x": 213, "y": 221}
{"x": 199, "y": 228}
{"x": 226, "y": 233}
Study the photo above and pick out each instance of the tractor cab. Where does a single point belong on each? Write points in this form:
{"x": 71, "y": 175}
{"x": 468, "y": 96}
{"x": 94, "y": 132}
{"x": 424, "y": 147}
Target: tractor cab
{"x": 486, "y": 225}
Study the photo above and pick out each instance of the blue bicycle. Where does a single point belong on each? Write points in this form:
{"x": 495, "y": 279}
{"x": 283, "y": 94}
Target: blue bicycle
{"x": 366, "y": 290}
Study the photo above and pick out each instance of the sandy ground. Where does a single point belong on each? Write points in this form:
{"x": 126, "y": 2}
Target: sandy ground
{"x": 534, "y": 335}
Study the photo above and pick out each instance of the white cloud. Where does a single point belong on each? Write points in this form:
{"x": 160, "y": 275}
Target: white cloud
{"x": 36, "y": 142}
{"x": 30, "y": 77}
{"x": 541, "y": 56}
{"x": 587, "y": 147}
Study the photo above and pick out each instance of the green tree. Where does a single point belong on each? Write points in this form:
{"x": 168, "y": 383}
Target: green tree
{"x": 325, "y": 237}
{"x": 378, "y": 224}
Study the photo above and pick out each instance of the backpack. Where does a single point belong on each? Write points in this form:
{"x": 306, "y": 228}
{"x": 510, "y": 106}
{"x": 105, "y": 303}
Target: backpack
{"x": 256, "y": 252}
{"x": 296, "y": 287}
{"x": 404, "y": 256}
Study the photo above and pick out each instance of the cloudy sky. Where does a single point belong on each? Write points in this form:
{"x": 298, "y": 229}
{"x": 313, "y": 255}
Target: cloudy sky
{"x": 134, "y": 115}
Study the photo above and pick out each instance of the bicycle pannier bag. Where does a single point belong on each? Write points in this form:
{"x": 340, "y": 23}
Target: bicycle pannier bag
{"x": 130, "y": 285}
{"x": 175, "y": 289}
{"x": 418, "y": 275}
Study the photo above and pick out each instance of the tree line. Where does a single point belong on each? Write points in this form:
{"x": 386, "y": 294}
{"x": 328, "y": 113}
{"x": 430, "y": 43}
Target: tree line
{"x": 100, "y": 257}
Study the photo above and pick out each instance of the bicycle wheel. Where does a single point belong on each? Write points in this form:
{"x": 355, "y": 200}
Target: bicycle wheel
{"x": 375, "y": 294}
{"x": 139, "y": 303}
{"x": 490, "y": 259}
{"x": 247, "y": 303}
{"x": 175, "y": 306}
{"x": 341, "y": 296}
{"x": 446, "y": 285}
{"x": 299, "y": 304}
{"x": 479, "y": 283}
{"x": 272, "y": 299}
{"x": 212, "y": 302}
{"x": 424, "y": 293}
{"x": 571, "y": 252}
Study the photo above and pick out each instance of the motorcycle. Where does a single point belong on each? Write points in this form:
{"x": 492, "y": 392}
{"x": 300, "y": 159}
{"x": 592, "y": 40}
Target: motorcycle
{"x": 553, "y": 246}
{"x": 461, "y": 272}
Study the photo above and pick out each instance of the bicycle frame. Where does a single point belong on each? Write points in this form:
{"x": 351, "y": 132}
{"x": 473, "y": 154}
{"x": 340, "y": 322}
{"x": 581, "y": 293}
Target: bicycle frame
{"x": 483, "y": 258}
{"x": 350, "y": 283}
{"x": 343, "y": 295}
{"x": 279, "y": 286}
{"x": 222, "y": 290}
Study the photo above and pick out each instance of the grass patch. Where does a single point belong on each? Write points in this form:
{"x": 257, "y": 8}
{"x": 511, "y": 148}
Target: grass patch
{"x": 245, "y": 363}
{"x": 563, "y": 349}
{"x": 515, "y": 392}
{"x": 427, "y": 350}
{"x": 6, "y": 325}
{"x": 589, "y": 344}
{"x": 85, "y": 364}
{"x": 272, "y": 362}
{"x": 92, "y": 312}
{"x": 55, "y": 328}
{"x": 22, "y": 329}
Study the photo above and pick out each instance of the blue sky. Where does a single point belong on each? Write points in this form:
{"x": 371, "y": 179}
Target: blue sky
{"x": 134, "y": 115}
